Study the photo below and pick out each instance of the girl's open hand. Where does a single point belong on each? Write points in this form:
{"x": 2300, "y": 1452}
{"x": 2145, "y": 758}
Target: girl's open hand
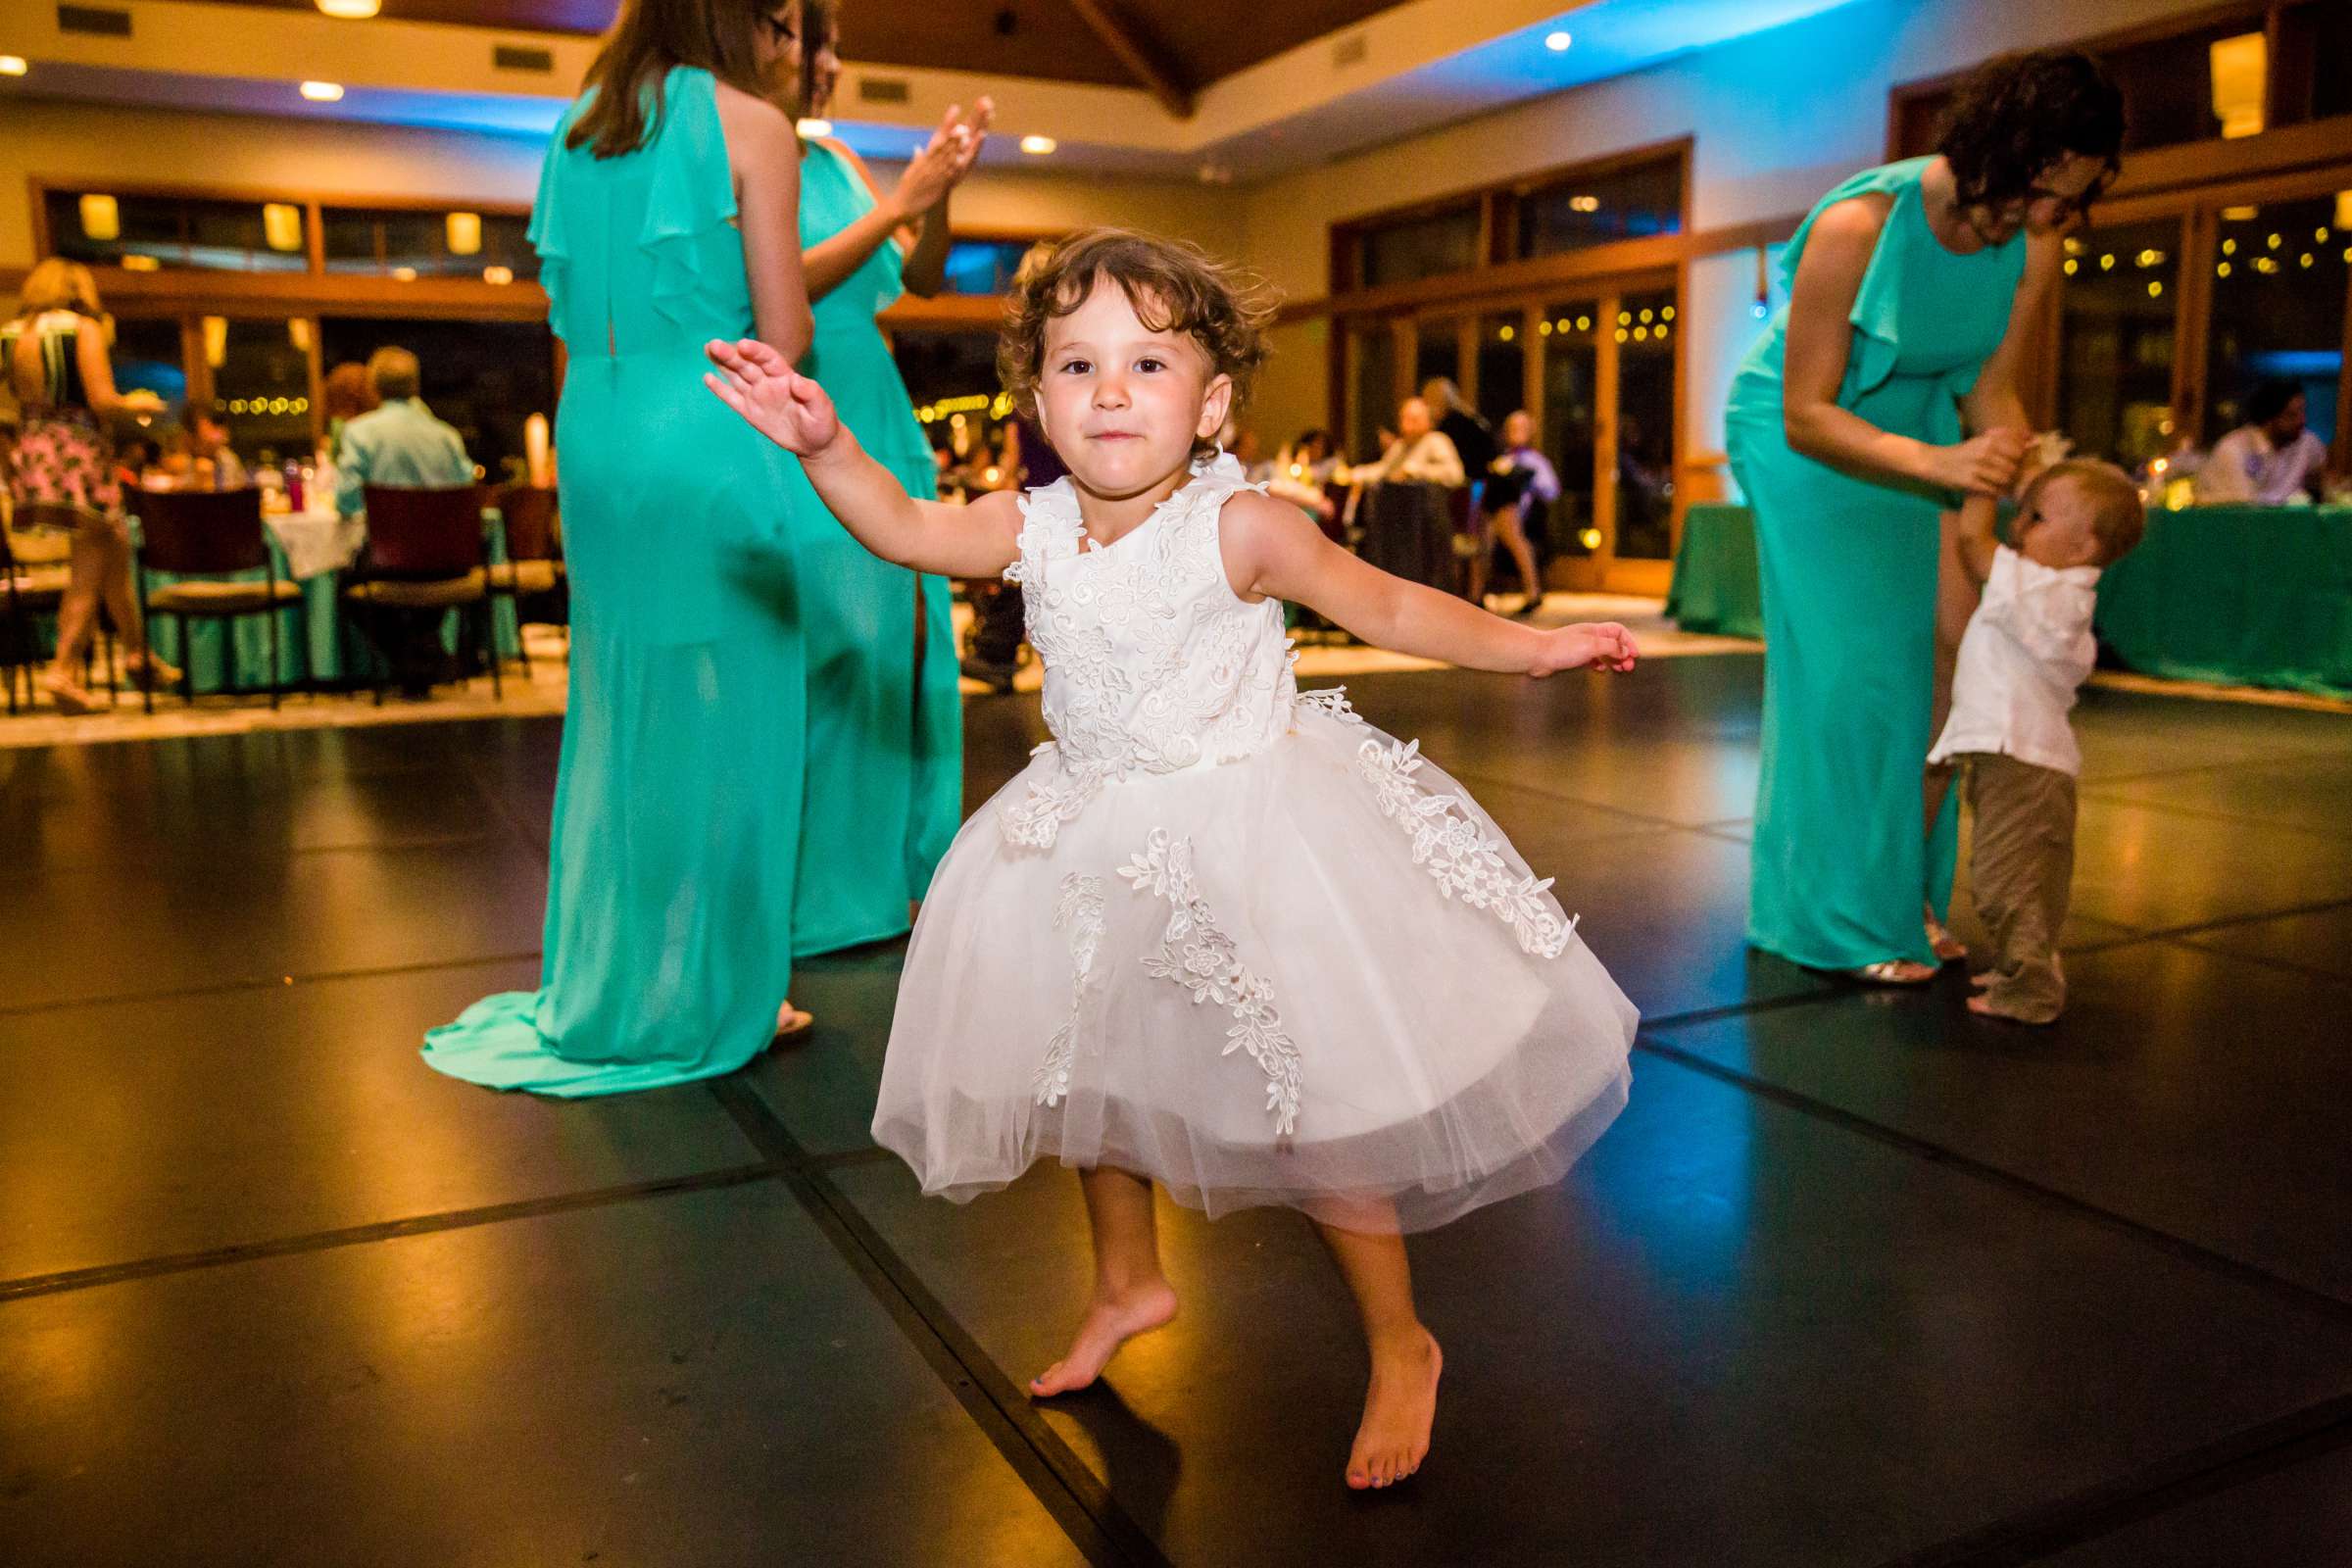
{"x": 1601, "y": 644}
{"x": 761, "y": 385}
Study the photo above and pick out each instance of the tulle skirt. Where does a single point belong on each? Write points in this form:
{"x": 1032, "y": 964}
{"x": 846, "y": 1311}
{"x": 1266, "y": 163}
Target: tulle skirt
{"x": 1317, "y": 977}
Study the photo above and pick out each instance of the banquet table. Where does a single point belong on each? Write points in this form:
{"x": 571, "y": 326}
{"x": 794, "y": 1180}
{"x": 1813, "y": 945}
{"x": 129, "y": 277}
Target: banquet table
{"x": 1716, "y": 587}
{"x": 2240, "y": 596}
{"x": 313, "y": 549}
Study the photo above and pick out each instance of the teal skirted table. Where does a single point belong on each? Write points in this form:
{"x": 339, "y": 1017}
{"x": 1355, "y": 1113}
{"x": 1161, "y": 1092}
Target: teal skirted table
{"x": 226, "y": 655}
{"x": 2245, "y": 596}
{"x": 2239, "y": 595}
{"x": 1715, "y": 586}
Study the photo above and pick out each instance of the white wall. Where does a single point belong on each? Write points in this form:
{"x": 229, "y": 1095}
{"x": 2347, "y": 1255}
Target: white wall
{"x": 1776, "y": 119}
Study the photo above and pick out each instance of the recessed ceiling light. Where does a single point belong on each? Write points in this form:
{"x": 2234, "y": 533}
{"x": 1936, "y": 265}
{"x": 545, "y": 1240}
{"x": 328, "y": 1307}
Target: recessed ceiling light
{"x": 322, "y": 92}
{"x": 351, "y": 10}
{"x": 1038, "y": 146}
{"x": 13, "y": 66}
{"x": 1557, "y": 41}
{"x": 816, "y": 127}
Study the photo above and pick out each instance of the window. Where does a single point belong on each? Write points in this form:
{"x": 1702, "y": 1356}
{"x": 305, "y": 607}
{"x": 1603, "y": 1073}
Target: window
{"x": 1645, "y": 324}
{"x": 485, "y": 377}
{"x": 1571, "y": 414}
{"x": 1372, "y": 389}
{"x": 262, "y": 383}
{"x": 148, "y": 358}
{"x": 2278, "y": 308}
{"x": 409, "y": 243}
{"x": 150, "y": 232}
{"x": 2176, "y": 89}
{"x": 2116, "y": 325}
{"x": 1635, "y": 202}
{"x": 1407, "y": 249}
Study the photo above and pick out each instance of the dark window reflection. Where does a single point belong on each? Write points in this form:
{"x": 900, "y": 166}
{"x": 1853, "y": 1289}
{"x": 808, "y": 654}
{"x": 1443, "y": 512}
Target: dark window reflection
{"x": 1644, "y": 331}
{"x": 1593, "y": 209}
{"x": 2115, "y": 373}
{"x": 2277, "y": 309}
{"x": 1408, "y": 248}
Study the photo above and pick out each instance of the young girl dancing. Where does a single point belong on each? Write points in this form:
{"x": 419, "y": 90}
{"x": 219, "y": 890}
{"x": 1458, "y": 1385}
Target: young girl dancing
{"x": 1220, "y": 935}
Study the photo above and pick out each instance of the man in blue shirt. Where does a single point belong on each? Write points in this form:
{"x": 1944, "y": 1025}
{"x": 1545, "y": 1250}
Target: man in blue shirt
{"x": 401, "y": 443}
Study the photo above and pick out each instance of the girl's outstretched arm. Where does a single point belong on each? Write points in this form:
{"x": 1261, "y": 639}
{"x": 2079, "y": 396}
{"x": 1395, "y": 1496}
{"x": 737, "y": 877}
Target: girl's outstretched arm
{"x": 1271, "y": 550}
{"x": 980, "y": 540}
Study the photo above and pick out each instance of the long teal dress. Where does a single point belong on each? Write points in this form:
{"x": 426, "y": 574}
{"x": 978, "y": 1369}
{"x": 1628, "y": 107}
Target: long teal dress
{"x": 885, "y": 795}
{"x": 676, "y": 831}
{"x": 1841, "y": 867}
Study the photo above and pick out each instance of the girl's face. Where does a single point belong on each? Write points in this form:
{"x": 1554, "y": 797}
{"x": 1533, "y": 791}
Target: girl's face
{"x": 1121, "y": 402}
{"x": 776, "y": 42}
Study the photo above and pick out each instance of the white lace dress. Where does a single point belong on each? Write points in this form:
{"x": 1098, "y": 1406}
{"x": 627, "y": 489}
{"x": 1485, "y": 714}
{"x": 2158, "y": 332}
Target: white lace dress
{"x": 1229, "y": 936}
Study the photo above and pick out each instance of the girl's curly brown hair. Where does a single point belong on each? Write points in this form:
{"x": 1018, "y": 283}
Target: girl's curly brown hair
{"x": 2020, "y": 113}
{"x": 1174, "y": 286}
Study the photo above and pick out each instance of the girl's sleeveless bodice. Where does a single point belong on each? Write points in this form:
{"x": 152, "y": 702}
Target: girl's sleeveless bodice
{"x": 1152, "y": 663}
{"x": 1925, "y": 318}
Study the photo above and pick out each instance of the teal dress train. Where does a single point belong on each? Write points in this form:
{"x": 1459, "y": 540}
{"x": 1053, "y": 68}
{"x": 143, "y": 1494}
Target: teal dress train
{"x": 885, "y": 795}
{"x": 677, "y": 818}
{"x": 1841, "y": 867}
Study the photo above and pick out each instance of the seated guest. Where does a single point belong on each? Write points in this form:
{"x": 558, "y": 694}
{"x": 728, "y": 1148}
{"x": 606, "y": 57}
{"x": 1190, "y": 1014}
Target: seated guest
{"x": 399, "y": 443}
{"x": 1421, "y": 451}
{"x": 348, "y": 393}
{"x": 2267, "y": 460}
{"x": 208, "y": 445}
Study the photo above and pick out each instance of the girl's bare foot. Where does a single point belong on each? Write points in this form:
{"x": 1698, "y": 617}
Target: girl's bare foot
{"x": 1983, "y": 1007}
{"x": 1398, "y": 1407}
{"x": 1947, "y": 946}
{"x": 1112, "y": 1318}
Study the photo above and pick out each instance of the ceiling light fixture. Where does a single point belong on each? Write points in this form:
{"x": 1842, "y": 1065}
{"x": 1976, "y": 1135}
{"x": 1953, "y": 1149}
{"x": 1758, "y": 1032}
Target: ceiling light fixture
{"x": 13, "y": 66}
{"x": 1038, "y": 146}
{"x": 351, "y": 10}
{"x": 813, "y": 128}
{"x": 1557, "y": 42}
{"x": 322, "y": 92}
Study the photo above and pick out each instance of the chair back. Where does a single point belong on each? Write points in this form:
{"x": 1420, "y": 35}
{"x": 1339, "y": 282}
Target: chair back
{"x": 529, "y": 512}
{"x": 201, "y": 534}
{"x": 423, "y": 535}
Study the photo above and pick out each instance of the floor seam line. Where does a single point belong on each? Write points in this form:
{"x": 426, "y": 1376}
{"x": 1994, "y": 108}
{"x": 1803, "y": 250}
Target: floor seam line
{"x": 1077, "y": 1500}
{"x": 282, "y": 983}
{"x": 66, "y": 1281}
{"x": 2232, "y": 1461}
{"x": 2309, "y": 1297}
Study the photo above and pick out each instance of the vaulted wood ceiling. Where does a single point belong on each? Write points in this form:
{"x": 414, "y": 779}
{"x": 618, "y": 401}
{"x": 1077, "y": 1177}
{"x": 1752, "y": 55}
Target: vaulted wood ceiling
{"x": 1181, "y": 46}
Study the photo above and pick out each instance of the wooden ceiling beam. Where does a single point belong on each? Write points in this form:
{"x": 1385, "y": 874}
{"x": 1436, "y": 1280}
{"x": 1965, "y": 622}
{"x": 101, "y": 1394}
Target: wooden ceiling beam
{"x": 1142, "y": 58}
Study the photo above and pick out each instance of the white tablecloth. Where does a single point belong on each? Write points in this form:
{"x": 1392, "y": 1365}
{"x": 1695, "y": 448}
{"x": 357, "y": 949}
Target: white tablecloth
{"x": 317, "y": 543}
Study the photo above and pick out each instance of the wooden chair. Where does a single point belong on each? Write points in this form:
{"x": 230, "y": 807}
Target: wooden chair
{"x": 535, "y": 563}
{"x": 214, "y": 535}
{"x": 32, "y": 590}
{"x": 425, "y": 552}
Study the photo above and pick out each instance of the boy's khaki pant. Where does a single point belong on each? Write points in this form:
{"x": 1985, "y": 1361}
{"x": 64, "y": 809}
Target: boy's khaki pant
{"x": 2021, "y": 865}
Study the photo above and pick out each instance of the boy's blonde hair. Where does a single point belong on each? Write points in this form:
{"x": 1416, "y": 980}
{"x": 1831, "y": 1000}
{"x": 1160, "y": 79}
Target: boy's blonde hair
{"x": 2118, "y": 515}
{"x": 1174, "y": 287}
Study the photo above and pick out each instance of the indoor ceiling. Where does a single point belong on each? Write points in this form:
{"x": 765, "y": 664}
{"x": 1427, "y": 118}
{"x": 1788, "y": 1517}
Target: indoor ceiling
{"x": 1108, "y": 42}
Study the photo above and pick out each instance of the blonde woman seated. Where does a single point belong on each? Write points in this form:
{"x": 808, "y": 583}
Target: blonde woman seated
{"x": 62, "y": 480}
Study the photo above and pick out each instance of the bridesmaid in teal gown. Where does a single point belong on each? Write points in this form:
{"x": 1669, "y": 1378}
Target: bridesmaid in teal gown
{"x": 677, "y": 832}
{"x": 1913, "y": 290}
{"x": 885, "y": 726}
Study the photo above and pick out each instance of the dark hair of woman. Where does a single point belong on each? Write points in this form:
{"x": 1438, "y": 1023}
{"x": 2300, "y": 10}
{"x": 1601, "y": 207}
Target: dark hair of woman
{"x": 649, "y": 39}
{"x": 820, "y": 30}
{"x": 2018, "y": 116}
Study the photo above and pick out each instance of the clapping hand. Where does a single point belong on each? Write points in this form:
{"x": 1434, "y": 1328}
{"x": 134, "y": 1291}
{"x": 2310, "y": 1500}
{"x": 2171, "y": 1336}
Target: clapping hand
{"x": 945, "y": 159}
{"x": 1602, "y": 644}
{"x": 761, "y": 385}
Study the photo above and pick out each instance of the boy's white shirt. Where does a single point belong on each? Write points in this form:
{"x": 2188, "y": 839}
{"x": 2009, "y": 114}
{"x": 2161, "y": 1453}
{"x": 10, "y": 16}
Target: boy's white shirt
{"x": 2027, "y": 651}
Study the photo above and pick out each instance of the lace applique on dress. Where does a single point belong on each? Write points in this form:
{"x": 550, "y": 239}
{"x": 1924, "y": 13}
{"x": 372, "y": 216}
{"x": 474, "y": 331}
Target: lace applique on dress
{"x": 1466, "y": 862}
{"x": 1197, "y": 954}
{"x": 1080, "y": 912}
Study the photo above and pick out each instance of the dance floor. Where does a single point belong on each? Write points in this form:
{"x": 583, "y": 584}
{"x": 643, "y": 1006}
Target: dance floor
{"x": 1856, "y": 1280}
